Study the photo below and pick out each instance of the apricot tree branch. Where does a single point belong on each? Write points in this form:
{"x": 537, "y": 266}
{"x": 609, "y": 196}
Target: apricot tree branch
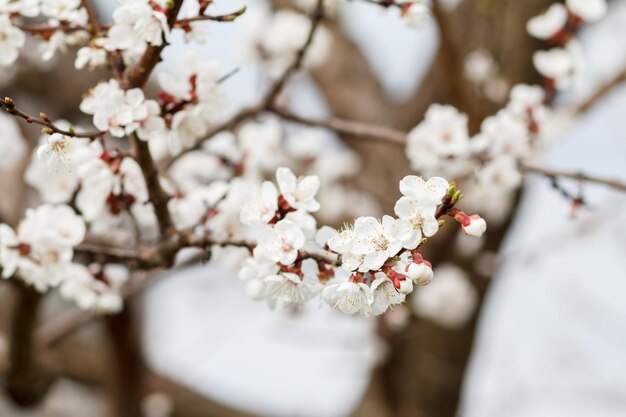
{"x": 43, "y": 120}
{"x": 602, "y": 92}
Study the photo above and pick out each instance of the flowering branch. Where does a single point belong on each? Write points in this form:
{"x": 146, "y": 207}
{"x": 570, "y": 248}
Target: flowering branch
{"x": 275, "y": 90}
{"x": 219, "y": 18}
{"x": 138, "y": 75}
{"x": 9, "y": 106}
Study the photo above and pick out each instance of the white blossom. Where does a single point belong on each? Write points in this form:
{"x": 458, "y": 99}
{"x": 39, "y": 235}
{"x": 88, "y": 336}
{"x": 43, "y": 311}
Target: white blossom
{"x": 479, "y": 66}
{"x": 9, "y": 253}
{"x": 449, "y": 300}
{"x": 588, "y": 10}
{"x": 290, "y": 288}
{"x": 374, "y": 241}
{"x": 298, "y": 192}
{"x": 11, "y": 40}
{"x": 253, "y": 273}
{"x": 280, "y": 243}
{"x": 91, "y": 57}
{"x": 95, "y": 290}
{"x": 561, "y": 65}
{"x": 416, "y": 15}
{"x": 12, "y": 145}
{"x": 28, "y": 8}
{"x": 548, "y": 24}
{"x": 384, "y": 294}
{"x": 262, "y": 207}
{"x": 123, "y": 112}
{"x": 443, "y": 134}
{"x": 349, "y": 297}
{"x": 136, "y": 24}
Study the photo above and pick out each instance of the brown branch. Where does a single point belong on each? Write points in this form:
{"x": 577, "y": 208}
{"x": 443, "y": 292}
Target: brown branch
{"x": 45, "y": 29}
{"x": 136, "y": 77}
{"x": 157, "y": 195}
{"x": 26, "y": 384}
{"x": 578, "y": 176}
{"x": 279, "y": 84}
{"x": 93, "y": 18}
{"x": 601, "y": 92}
{"x": 347, "y": 127}
{"x": 219, "y": 18}
{"x": 397, "y": 137}
{"x": 127, "y": 362}
{"x": 229, "y": 124}
{"x": 9, "y": 106}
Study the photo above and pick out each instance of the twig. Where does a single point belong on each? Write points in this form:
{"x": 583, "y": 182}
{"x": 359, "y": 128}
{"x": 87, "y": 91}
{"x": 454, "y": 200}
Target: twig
{"x": 229, "y": 124}
{"x": 45, "y": 29}
{"x": 9, "y": 106}
{"x": 348, "y": 127}
{"x": 220, "y": 18}
{"x": 578, "y": 176}
{"x": 274, "y": 91}
{"x": 279, "y": 84}
{"x": 601, "y": 92}
{"x": 93, "y": 18}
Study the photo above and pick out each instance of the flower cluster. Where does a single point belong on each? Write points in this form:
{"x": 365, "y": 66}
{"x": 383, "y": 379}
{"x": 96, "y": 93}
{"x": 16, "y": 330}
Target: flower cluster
{"x": 379, "y": 260}
{"x": 41, "y": 251}
{"x": 104, "y": 186}
{"x": 54, "y": 12}
{"x": 123, "y": 112}
{"x": 558, "y": 25}
{"x": 137, "y": 24}
{"x": 190, "y": 101}
{"x": 441, "y": 144}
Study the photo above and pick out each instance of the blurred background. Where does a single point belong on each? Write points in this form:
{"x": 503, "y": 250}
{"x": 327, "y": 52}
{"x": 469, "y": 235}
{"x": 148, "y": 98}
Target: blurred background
{"x": 538, "y": 327}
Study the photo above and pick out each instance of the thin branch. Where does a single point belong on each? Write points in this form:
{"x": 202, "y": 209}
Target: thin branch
{"x": 45, "y": 29}
{"x": 93, "y": 17}
{"x": 9, "y": 106}
{"x": 274, "y": 91}
{"x": 157, "y": 195}
{"x": 220, "y": 18}
{"x": 230, "y": 124}
{"x": 601, "y": 92}
{"x": 348, "y": 127}
{"x": 578, "y": 176}
{"x": 279, "y": 84}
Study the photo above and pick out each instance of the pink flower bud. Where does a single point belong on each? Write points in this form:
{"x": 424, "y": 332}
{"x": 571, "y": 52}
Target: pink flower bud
{"x": 474, "y": 226}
